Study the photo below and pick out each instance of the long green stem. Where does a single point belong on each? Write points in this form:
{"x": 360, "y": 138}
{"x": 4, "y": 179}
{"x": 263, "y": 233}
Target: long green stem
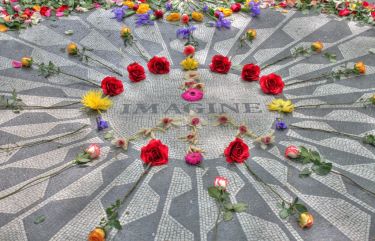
{"x": 329, "y": 104}
{"x": 354, "y": 182}
{"x": 106, "y": 66}
{"x": 216, "y": 228}
{"x": 36, "y": 107}
{"x": 328, "y": 131}
{"x": 80, "y": 78}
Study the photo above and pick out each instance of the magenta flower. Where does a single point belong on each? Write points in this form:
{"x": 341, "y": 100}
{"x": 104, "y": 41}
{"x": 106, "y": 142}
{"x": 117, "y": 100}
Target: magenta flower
{"x": 194, "y": 158}
{"x": 192, "y": 95}
{"x": 16, "y": 64}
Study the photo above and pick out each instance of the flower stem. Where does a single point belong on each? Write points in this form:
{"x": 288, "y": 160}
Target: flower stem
{"x": 217, "y": 222}
{"x": 330, "y": 104}
{"x": 36, "y": 107}
{"x": 275, "y": 62}
{"x": 264, "y": 183}
{"x": 142, "y": 54}
{"x": 357, "y": 137}
{"x": 106, "y": 66}
{"x": 354, "y": 182}
{"x": 80, "y": 78}
{"x": 16, "y": 146}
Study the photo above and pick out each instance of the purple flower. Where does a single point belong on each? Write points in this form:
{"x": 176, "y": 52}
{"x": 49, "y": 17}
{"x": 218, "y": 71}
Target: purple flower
{"x": 194, "y": 158}
{"x": 144, "y": 19}
{"x": 101, "y": 123}
{"x": 205, "y": 8}
{"x": 119, "y": 13}
{"x": 222, "y": 22}
{"x": 280, "y": 125}
{"x": 254, "y": 8}
{"x": 168, "y": 6}
{"x": 192, "y": 95}
{"x": 184, "y": 33}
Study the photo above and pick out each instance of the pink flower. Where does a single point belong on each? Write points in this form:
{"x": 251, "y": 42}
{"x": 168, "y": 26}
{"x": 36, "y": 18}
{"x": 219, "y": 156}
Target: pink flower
{"x": 97, "y": 5}
{"x": 16, "y": 64}
{"x": 221, "y": 182}
{"x": 292, "y": 152}
{"x": 59, "y": 14}
{"x": 93, "y": 151}
{"x": 194, "y": 158}
{"x": 192, "y": 95}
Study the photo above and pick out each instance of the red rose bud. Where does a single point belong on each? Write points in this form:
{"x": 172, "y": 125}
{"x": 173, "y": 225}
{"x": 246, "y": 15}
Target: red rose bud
{"x": 344, "y": 12}
{"x": 271, "y": 84}
{"x": 136, "y": 72}
{"x": 292, "y": 152}
{"x": 93, "y": 150}
{"x": 217, "y": 14}
{"x": 155, "y": 153}
{"x": 306, "y": 220}
{"x": 237, "y": 151}
{"x": 158, "y": 13}
{"x": 189, "y": 50}
{"x": 250, "y": 72}
{"x": 112, "y": 86}
{"x": 235, "y": 7}
{"x": 283, "y": 4}
{"x": 221, "y": 182}
{"x": 135, "y": 7}
{"x": 184, "y": 18}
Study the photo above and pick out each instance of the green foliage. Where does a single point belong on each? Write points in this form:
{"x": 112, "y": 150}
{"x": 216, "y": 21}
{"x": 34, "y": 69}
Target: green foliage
{"x": 369, "y": 139}
{"x": 331, "y": 57}
{"x": 39, "y": 219}
{"x": 319, "y": 166}
{"x": 49, "y": 69}
{"x": 12, "y": 103}
{"x": 111, "y": 220}
{"x": 291, "y": 208}
{"x": 226, "y": 207}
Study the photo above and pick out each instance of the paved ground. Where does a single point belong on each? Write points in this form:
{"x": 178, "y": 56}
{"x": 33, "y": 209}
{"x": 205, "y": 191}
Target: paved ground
{"x": 172, "y": 202}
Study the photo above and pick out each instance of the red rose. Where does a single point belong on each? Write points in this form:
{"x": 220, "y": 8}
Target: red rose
{"x": 155, "y": 153}
{"x": 373, "y": 15}
{"x": 250, "y": 72}
{"x": 220, "y": 64}
{"x": 136, "y": 72}
{"x": 158, "y": 65}
{"x": 237, "y": 151}
{"x": 344, "y": 12}
{"x": 158, "y": 13}
{"x": 112, "y": 86}
{"x": 271, "y": 84}
{"x": 62, "y": 8}
{"x": 44, "y": 10}
{"x": 236, "y": 7}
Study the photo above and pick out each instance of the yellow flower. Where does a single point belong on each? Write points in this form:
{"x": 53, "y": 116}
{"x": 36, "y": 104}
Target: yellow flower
{"x": 226, "y": 11}
{"x": 360, "y": 67}
{"x": 36, "y": 8}
{"x": 125, "y": 32}
{"x": 98, "y": 234}
{"x": 143, "y": 8}
{"x": 281, "y": 105}
{"x": 251, "y": 34}
{"x": 26, "y": 61}
{"x": 3, "y": 28}
{"x": 72, "y": 49}
{"x": 305, "y": 220}
{"x": 173, "y": 17}
{"x": 317, "y": 46}
{"x": 189, "y": 64}
{"x": 197, "y": 16}
{"x": 129, "y": 4}
{"x": 94, "y": 100}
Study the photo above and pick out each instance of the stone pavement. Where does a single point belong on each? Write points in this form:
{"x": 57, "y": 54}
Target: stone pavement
{"x": 172, "y": 202}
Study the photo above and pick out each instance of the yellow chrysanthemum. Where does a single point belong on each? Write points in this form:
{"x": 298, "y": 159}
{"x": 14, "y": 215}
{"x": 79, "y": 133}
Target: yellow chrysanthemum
{"x": 226, "y": 11}
{"x": 94, "y": 100}
{"x": 189, "y": 64}
{"x": 173, "y": 17}
{"x": 143, "y": 8}
{"x": 3, "y": 28}
{"x": 129, "y": 4}
{"x": 281, "y": 105}
{"x": 197, "y": 16}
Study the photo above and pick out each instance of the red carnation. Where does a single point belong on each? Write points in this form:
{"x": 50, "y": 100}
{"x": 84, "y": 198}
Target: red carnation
{"x": 344, "y": 12}
{"x": 44, "y": 10}
{"x": 136, "y": 72}
{"x": 112, "y": 86}
{"x": 236, "y": 7}
{"x": 271, "y": 84}
{"x": 158, "y": 65}
{"x": 220, "y": 64}
{"x": 155, "y": 153}
{"x": 237, "y": 151}
{"x": 250, "y": 72}
{"x": 62, "y": 8}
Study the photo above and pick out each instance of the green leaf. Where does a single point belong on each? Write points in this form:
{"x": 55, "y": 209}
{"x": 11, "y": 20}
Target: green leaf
{"x": 322, "y": 169}
{"x": 214, "y": 192}
{"x": 39, "y": 219}
{"x": 116, "y": 224}
{"x": 227, "y": 216}
{"x": 284, "y": 213}
{"x": 228, "y": 206}
{"x": 109, "y": 135}
{"x": 306, "y": 172}
{"x": 300, "y": 208}
{"x": 240, "y": 207}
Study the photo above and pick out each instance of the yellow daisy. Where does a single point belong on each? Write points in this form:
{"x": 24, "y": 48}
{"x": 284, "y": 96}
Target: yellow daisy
{"x": 281, "y": 105}
{"x": 189, "y": 64}
{"x": 93, "y": 99}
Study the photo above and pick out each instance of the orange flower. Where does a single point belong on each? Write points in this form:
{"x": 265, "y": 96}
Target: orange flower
{"x": 26, "y": 62}
{"x": 3, "y": 28}
{"x": 36, "y": 8}
{"x": 305, "y": 220}
{"x": 72, "y": 49}
{"x": 98, "y": 234}
{"x": 317, "y": 46}
{"x": 173, "y": 17}
{"x": 360, "y": 67}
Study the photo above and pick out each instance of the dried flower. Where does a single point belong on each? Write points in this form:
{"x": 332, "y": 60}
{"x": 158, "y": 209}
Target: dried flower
{"x": 243, "y": 130}
{"x": 223, "y": 120}
{"x": 194, "y": 120}
{"x": 121, "y": 143}
{"x": 168, "y": 122}
{"x": 266, "y": 140}
{"x": 192, "y": 75}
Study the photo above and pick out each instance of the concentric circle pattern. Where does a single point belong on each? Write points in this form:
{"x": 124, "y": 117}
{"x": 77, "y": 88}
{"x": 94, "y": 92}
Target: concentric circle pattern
{"x": 172, "y": 202}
